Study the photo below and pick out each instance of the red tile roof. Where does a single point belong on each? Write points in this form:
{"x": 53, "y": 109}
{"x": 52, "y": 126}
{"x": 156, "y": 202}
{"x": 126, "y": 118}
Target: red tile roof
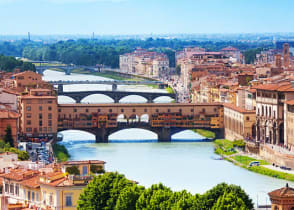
{"x": 291, "y": 102}
{"x": 239, "y": 109}
{"x": 20, "y": 174}
{"x": 284, "y": 192}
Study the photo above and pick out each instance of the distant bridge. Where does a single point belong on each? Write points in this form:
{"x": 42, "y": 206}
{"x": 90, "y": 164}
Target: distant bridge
{"x": 115, "y": 95}
{"x": 67, "y": 68}
{"x": 114, "y": 83}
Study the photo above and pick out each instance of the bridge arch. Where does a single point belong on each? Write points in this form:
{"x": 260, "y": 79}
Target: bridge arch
{"x": 185, "y": 135}
{"x": 65, "y": 100}
{"x": 133, "y": 99}
{"x": 122, "y": 118}
{"x": 163, "y": 99}
{"x": 127, "y": 135}
{"x": 77, "y": 135}
{"x": 97, "y": 98}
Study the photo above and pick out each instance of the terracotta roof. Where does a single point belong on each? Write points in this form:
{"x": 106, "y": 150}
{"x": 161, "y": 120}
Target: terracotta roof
{"x": 281, "y": 87}
{"x": 40, "y": 89}
{"x": 239, "y": 109}
{"x": 6, "y": 114}
{"x": 24, "y": 72}
{"x": 84, "y": 162}
{"x": 32, "y": 182}
{"x": 282, "y": 192}
{"x": 20, "y": 174}
{"x": 291, "y": 102}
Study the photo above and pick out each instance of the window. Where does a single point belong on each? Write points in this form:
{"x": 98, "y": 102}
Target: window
{"x": 40, "y": 129}
{"x": 40, "y": 108}
{"x": 51, "y": 198}
{"x": 87, "y": 110}
{"x": 29, "y": 115}
{"x": 157, "y": 110}
{"x": 145, "y": 110}
{"x": 49, "y": 122}
{"x": 110, "y": 110}
{"x": 85, "y": 170}
{"x": 33, "y": 196}
{"x": 49, "y": 108}
{"x": 40, "y": 123}
{"x": 29, "y": 108}
{"x": 122, "y": 110}
{"x": 134, "y": 110}
{"x": 40, "y": 116}
{"x": 247, "y": 118}
{"x": 17, "y": 190}
{"x": 203, "y": 110}
{"x": 49, "y": 102}
{"x": 59, "y": 110}
{"x": 50, "y": 116}
{"x": 50, "y": 129}
{"x": 75, "y": 110}
{"x": 28, "y": 129}
{"x": 6, "y": 187}
{"x": 98, "y": 110}
{"x": 37, "y": 196}
{"x": 29, "y": 195}
{"x": 168, "y": 110}
{"x": 68, "y": 200}
{"x": 11, "y": 189}
{"x": 29, "y": 122}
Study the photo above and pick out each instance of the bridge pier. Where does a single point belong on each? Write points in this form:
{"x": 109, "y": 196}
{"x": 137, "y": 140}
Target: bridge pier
{"x": 101, "y": 135}
{"x": 164, "y": 135}
{"x": 60, "y": 88}
{"x": 114, "y": 87}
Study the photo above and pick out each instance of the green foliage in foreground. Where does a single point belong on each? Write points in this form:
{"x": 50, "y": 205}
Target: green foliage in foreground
{"x": 60, "y": 152}
{"x": 272, "y": 173}
{"x": 245, "y": 160}
{"x": 205, "y": 133}
{"x": 5, "y": 147}
{"x": 114, "y": 191}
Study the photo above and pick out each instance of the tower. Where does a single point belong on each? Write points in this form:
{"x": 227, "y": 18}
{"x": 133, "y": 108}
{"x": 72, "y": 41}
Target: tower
{"x": 278, "y": 61}
{"x": 29, "y": 36}
{"x": 286, "y": 55}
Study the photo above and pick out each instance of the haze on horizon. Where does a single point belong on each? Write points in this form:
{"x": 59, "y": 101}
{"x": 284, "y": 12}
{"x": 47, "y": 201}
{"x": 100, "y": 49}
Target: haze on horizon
{"x": 45, "y": 17}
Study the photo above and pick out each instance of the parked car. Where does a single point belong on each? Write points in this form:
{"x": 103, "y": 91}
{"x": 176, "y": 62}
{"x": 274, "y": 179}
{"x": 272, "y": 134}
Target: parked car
{"x": 254, "y": 163}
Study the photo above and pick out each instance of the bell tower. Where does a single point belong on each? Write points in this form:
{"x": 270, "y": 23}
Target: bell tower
{"x": 286, "y": 54}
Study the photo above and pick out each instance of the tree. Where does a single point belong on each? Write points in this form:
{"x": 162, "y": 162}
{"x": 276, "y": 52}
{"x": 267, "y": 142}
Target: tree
{"x": 8, "y": 136}
{"x": 157, "y": 197}
{"x": 96, "y": 169}
{"x": 128, "y": 197}
{"x": 178, "y": 69}
{"x": 103, "y": 192}
{"x": 73, "y": 170}
{"x": 229, "y": 201}
{"x": 208, "y": 199}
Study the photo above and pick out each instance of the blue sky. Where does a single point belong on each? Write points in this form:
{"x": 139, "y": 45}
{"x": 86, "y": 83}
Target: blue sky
{"x": 145, "y": 16}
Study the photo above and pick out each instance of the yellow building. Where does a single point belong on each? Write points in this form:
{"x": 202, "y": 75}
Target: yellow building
{"x": 239, "y": 123}
{"x": 49, "y": 188}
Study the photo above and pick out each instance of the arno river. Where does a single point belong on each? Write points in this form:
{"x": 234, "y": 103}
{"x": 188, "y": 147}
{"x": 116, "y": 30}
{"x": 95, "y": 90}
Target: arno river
{"x": 180, "y": 165}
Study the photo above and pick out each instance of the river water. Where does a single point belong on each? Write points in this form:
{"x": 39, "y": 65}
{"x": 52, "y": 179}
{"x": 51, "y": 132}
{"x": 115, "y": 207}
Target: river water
{"x": 180, "y": 165}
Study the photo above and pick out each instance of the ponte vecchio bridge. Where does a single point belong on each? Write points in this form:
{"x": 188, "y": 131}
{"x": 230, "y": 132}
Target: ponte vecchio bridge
{"x": 164, "y": 119}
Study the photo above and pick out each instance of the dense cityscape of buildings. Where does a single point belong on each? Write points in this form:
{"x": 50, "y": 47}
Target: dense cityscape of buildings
{"x": 255, "y": 102}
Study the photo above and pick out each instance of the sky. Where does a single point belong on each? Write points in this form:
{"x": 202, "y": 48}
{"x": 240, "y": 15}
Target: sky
{"x": 103, "y": 17}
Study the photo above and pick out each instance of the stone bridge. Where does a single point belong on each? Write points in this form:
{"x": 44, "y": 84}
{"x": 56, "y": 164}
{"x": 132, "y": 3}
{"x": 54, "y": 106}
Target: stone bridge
{"x": 115, "y": 95}
{"x": 163, "y": 119}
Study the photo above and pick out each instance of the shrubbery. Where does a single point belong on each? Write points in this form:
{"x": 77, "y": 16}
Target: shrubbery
{"x": 114, "y": 191}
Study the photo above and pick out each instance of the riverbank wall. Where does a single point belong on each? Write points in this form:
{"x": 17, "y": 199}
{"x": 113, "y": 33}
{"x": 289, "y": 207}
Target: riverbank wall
{"x": 272, "y": 156}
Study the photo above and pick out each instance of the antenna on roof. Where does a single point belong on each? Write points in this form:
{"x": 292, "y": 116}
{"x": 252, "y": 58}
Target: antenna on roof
{"x": 29, "y": 36}
{"x": 93, "y": 35}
